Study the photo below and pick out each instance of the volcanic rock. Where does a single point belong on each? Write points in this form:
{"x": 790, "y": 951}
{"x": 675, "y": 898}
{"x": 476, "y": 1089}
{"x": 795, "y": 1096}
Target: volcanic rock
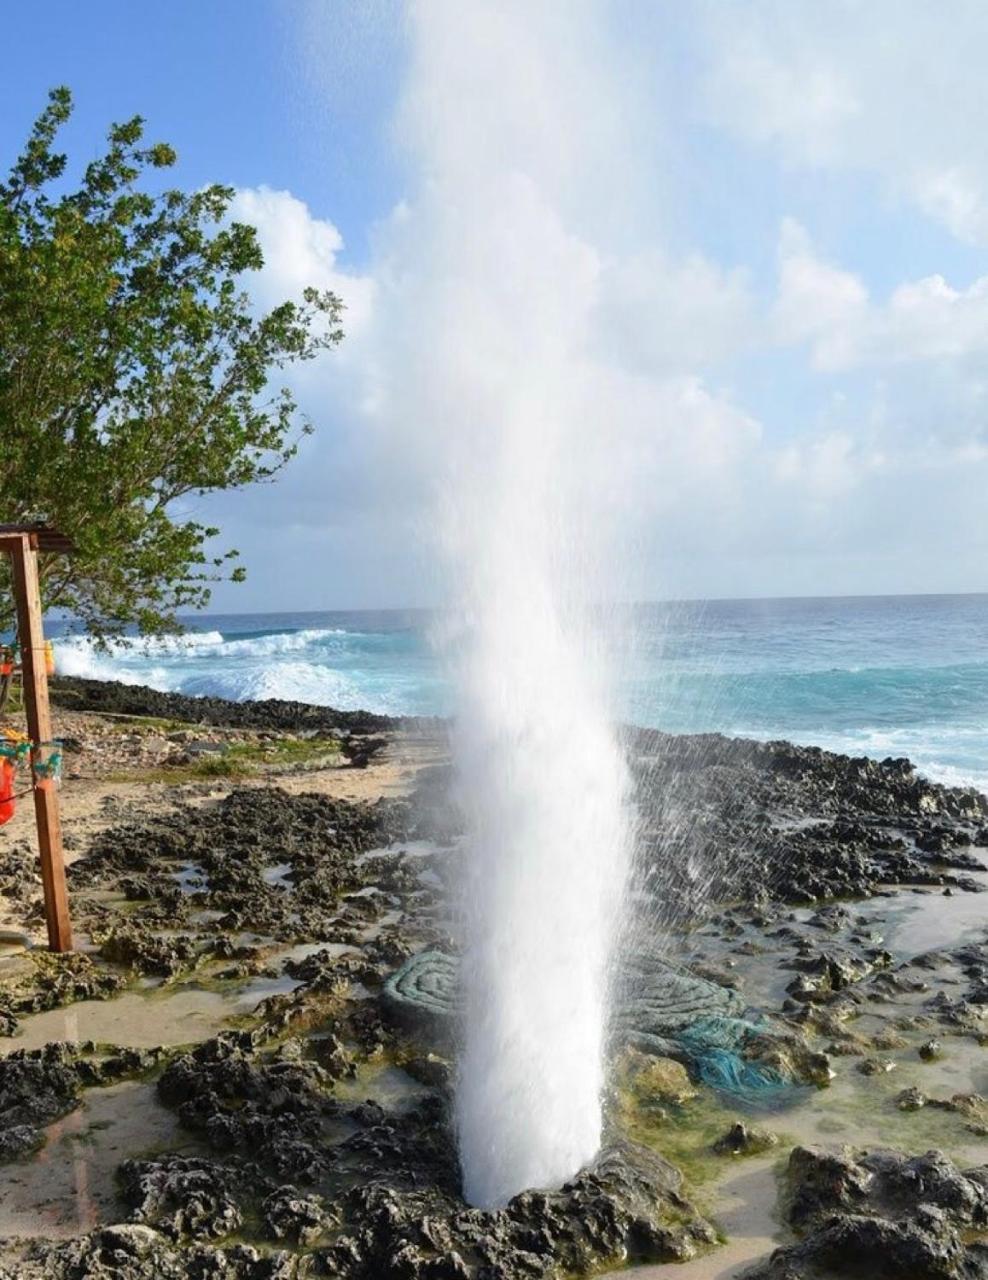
{"x": 245, "y": 1102}
{"x": 36, "y": 1087}
{"x": 882, "y": 1214}
{"x": 740, "y": 1140}
{"x": 182, "y": 1197}
{"x": 775, "y": 821}
{"x": 79, "y": 694}
{"x": 290, "y": 1215}
{"x": 627, "y": 1207}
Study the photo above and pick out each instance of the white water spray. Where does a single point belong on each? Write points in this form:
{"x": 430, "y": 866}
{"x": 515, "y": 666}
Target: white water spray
{"x": 542, "y": 785}
{"x": 489, "y": 307}
{"x": 527, "y": 353}
{"x": 522, "y": 532}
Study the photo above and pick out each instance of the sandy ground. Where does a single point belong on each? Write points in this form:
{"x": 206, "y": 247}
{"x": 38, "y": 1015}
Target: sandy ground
{"x": 90, "y": 803}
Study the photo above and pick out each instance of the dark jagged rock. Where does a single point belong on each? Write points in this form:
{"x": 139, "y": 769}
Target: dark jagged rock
{"x": 289, "y": 1215}
{"x": 78, "y": 694}
{"x": 267, "y": 1106}
{"x": 183, "y": 1197}
{"x": 413, "y": 1148}
{"x": 20, "y": 880}
{"x": 118, "y": 1063}
{"x": 406, "y": 1217}
{"x": 149, "y": 953}
{"x": 741, "y": 1140}
{"x": 860, "y": 1247}
{"x": 223, "y": 854}
{"x": 627, "y": 1208}
{"x": 876, "y": 1066}
{"x": 836, "y": 971}
{"x": 135, "y": 1252}
{"x": 360, "y": 751}
{"x": 430, "y": 1070}
{"x": 220, "y": 858}
{"x": 36, "y": 1087}
{"x": 334, "y": 1057}
{"x": 774, "y": 821}
{"x": 882, "y": 1214}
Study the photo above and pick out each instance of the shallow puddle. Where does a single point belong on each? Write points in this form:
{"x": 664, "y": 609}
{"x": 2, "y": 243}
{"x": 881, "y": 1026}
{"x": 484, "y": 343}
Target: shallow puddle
{"x": 183, "y": 1015}
{"x": 13, "y": 942}
{"x": 137, "y": 1021}
{"x": 190, "y": 878}
{"x": 914, "y": 922}
{"x": 383, "y": 1083}
{"x": 412, "y": 848}
{"x": 69, "y": 1186}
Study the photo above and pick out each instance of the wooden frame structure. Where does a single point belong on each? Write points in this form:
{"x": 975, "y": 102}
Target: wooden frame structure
{"x": 22, "y": 543}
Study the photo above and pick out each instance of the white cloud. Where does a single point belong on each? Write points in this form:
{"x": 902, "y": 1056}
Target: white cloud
{"x": 922, "y": 320}
{"x": 656, "y": 312}
{"x": 817, "y": 302}
{"x": 776, "y": 91}
{"x": 891, "y": 87}
{"x": 825, "y": 469}
{"x": 528, "y": 276}
{"x": 299, "y": 250}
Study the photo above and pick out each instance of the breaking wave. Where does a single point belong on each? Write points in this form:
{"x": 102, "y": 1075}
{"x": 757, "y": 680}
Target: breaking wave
{"x": 327, "y": 666}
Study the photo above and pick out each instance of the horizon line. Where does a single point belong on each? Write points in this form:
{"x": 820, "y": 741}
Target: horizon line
{"x": 634, "y": 604}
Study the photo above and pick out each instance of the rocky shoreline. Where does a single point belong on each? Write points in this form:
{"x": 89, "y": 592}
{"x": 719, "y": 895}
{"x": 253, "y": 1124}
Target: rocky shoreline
{"x": 250, "y": 929}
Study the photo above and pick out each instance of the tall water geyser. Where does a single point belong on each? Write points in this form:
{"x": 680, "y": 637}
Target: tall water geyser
{"x": 489, "y": 303}
{"x": 542, "y": 784}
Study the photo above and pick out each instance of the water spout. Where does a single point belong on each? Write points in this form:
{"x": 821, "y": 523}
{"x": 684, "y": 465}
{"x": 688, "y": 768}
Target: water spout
{"x": 543, "y": 787}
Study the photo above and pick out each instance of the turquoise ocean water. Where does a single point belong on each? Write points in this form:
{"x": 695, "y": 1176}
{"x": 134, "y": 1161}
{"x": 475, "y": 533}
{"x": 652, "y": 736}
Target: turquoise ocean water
{"x": 879, "y": 676}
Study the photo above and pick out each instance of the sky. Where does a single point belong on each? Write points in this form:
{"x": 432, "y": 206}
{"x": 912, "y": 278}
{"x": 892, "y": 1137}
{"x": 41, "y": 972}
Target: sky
{"x": 749, "y": 242}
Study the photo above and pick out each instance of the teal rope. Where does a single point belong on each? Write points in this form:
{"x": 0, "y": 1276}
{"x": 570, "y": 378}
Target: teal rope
{"x": 714, "y": 1047}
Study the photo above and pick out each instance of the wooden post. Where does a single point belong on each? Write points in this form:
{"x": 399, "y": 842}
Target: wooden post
{"x": 27, "y": 598}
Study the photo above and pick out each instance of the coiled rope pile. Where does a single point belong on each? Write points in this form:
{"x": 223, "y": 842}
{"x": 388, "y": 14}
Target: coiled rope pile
{"x": 660, "y": 1009}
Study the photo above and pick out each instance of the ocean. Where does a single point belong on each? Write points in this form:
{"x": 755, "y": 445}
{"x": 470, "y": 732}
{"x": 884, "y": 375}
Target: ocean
{"x": 876, "y": 676}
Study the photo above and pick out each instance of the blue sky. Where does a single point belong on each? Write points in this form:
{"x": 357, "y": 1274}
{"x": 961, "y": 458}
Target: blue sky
{"x": 226, "y": 83}
{"x": 784, "y": 211}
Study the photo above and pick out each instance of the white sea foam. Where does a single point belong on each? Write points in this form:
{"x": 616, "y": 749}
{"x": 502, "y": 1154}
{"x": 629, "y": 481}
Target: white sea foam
{"x": 284, "y": 642}
{"x": 291, "y": 665}
{"x": 80, "y": 658}
{"x": 290, "y": 681}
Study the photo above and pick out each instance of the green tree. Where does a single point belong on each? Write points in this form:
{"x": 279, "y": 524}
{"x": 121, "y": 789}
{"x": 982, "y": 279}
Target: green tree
{"x": 134, "y": 373}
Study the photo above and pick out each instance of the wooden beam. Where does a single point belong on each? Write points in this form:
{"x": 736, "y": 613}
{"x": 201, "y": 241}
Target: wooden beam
{"x": 46, "y": 538}
{"x": 27, "y": 597}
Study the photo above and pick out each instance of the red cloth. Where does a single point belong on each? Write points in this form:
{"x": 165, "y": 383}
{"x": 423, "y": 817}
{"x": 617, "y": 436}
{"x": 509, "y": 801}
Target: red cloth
{"x": 7, "y": 802}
